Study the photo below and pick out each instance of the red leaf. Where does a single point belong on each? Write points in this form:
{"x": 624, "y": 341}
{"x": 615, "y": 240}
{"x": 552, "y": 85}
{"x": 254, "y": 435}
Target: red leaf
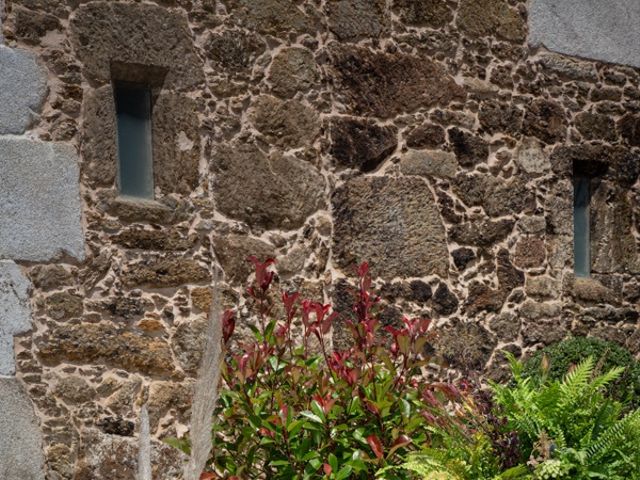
{"x": 327, "y": 469}
{"x": 401, "y": 441}
{"x": 228, "y": 324}
{"x": 376, "y": 446}
{"x": 207, "y": 476}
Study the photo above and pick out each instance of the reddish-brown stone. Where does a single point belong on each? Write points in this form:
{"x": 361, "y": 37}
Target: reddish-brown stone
{"x": 384, "y": 85}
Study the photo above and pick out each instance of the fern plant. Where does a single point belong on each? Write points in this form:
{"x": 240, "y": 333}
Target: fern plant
{"x": 569, "y": 428}
{"x": 566, "y": 429}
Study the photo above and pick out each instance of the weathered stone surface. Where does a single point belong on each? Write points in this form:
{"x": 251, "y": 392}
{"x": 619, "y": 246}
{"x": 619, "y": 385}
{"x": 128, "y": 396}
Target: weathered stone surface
{"x": 361, "y": 144}
{"x": 289, "y": 124}
{"x": 546, "y": 332}
{"x": 532, "y": 310}
{"x": 531, "y": 252}
{"x": 293, "y": 70}
{"x": 23, "y": 85}
{"x": 274, "y": 17}
{"x": 40, "y": 193}
{"x": 483, "y": 298}
{"x": 169, "y": 398}
{"x": 429, "y": 13}
{"x": 176, "y": 144}
{"x": 508, "y": 198}
{"x": 594, "y": 126}
{"x": 542, "y": 287}
{"x": 444, "y": 300}
{"x": 629, "y": 127}
{"x": 587, "y": 28}
{"x": 143, "y": 239}
{"x": 201, "y": 298}
{"x": 164, "y": 272}
{"x": 420, "y": 292}
{"x": 15, "y": 312}
{"x": 480, "y": 18}
{"x": 276, "y": 192}
{"x": 47, "y": 277}
{"x": 467, "y": 346}
{"x": 506, "y": 326}
{"x": 136, "y": 34}
{"x": 614, "y": 247}
{"x": 530, "y": 157}
{"x": 590, "y": 291}
{"x": 167, "y": 211}
{"x": 189, "y": 342}
{"x": 427, "y": 163}
{"x": 498, "y": 197}
{"x": 31, "y": 26}
{"x": 21, "y": 441}
{"x": 74, "y": 389}
{"x": 116, "y": 426}
{"x": 462, "y": 257}
{"x": 99, "y": 147}
{"x": 385, "y": 85}
{"x": 470, "y": 149}
{"x": 500, "y": 117}
{"x": 509, "y": 277}
{"x": 482, "y": 233}
{"x": 426, "y": 135}
{"x": 393, "y": 224}
{"x": 234, "y": 51}
{"x": 546, "y": 120}
{"x": 116, "y": 458}
{"x": 588, "y": 159}
{"x": 233, "y": 252}
{"x": 351, "y": 20}
{"x": 176, "y": 141}
{"x": 568, "y": 68}
{"x": 64, "y": 305}
{"x": 105, "y": 344}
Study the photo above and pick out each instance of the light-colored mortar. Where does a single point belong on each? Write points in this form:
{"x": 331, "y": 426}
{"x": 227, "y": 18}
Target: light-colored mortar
{"x": 448, "y": 106}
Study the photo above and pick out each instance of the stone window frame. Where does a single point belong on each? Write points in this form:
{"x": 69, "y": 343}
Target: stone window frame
{"x": 148, "y": 77}
{"x": 594, "y": 172}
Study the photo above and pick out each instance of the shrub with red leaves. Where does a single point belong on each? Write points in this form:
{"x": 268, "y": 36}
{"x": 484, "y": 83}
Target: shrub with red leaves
{"x": 294, "y": 409}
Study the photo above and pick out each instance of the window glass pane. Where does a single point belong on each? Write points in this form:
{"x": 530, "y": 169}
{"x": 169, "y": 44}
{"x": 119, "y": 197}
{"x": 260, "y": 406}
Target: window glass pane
{"x": 581, "y": 226}
{"x": 135, "y": 161}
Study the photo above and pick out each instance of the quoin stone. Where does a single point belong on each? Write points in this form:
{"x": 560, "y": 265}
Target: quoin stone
{"x": 23, "y": 85}
{"x": 595, "y": 29}
{"x": 40, "y": 195}
{"x": 21, "y": 440}
{"x": 15, "y": 312}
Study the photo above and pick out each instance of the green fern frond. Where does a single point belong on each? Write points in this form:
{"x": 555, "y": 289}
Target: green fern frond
{"x": 610, "y": 439}
{"x": 427, "y": 465}
{"x": 576, "y": 382}
{"x": 605, "y": 379}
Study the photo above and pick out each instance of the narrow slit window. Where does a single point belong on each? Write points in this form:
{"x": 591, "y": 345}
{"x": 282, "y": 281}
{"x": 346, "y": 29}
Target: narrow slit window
{"x": 135, "y": 158}
{"x": 582, "y": 225}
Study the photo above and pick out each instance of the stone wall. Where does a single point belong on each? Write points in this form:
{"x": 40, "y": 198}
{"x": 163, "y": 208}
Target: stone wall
{"x": 424, "y": 136}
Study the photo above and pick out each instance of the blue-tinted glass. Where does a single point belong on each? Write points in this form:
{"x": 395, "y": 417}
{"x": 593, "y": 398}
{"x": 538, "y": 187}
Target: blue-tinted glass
{"x": 582, "y": 226}
{"x": 135, "y": 160}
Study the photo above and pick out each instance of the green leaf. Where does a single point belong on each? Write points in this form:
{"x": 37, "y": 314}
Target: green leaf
{"x": 333, "y": 462}
{"x": 344, "y": 472}
{"x": 317, "y": 409}
{"x": 311, "y": 416}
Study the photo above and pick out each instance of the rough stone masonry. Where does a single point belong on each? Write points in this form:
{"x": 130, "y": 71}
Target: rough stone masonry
{"x": 436, "y": 139}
